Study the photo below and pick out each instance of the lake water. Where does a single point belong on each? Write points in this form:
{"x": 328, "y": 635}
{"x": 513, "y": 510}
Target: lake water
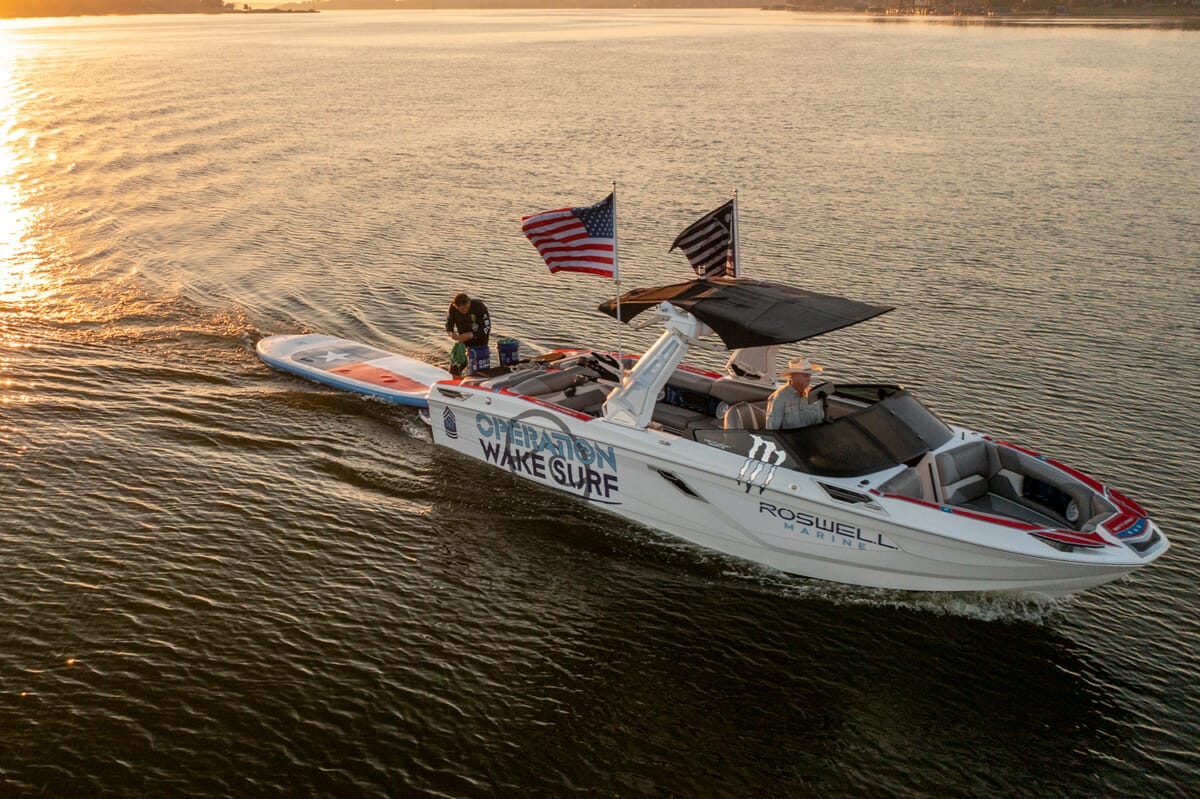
{"x": 219, "y": 580}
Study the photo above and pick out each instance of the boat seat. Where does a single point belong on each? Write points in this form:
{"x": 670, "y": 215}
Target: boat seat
{"x": 994, "y": 503}
{"x": 690, "y": 381}
{"x": 588, "y": 399}
{"x": 746, "y": 416}
{"x": 982, "y": 476}
{"x": 966, "y": 471}
{"x": 1016, "y": 467}
{"x": 548, "y": 381}
{"x": 690, "y": 390}
{"x": 680, "y": 419}
{"x": 735, "y": 391}
{"x": 511, "y": 379}
{"x": 907, "y": 484}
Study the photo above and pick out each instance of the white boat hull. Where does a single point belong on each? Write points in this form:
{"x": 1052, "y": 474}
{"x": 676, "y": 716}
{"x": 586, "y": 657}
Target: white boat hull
{"x": 880, "y": 493}
{"x": 790, "y": 522}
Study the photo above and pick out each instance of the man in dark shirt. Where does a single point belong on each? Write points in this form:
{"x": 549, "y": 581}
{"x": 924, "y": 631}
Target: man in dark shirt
{"x": 467, "y": 323}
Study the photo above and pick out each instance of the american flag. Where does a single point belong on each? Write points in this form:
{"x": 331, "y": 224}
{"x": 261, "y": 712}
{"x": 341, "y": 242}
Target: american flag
{"x": 576, "y": 239}
{"x": 709, "y": 244}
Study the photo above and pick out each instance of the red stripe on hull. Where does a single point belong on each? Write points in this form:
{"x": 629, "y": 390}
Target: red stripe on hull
{"x": 1088, "y": 481}
{"x": 1126, "y": 503}
{"x": 1089, "y": 540}
{"x": 583, "y": 417}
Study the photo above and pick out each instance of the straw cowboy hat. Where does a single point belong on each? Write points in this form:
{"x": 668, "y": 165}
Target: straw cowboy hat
{"x": 801, "y": 366}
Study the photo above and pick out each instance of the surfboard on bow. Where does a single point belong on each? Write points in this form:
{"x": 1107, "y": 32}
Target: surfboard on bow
{"x": 352, "y": 366}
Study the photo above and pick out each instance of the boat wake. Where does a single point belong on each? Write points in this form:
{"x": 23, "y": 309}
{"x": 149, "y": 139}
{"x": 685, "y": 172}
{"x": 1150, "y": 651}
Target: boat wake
{"x": 980, "y": 606}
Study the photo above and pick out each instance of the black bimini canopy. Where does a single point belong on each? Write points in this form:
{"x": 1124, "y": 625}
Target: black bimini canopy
{"x": 751, "y": 313}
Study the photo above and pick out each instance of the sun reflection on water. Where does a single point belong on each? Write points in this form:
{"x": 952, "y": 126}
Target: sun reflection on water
{"x": 18, "y": 282}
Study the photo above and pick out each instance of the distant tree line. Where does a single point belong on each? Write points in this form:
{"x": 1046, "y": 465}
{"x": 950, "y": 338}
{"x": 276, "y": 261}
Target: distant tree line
{"x": 1163, "y": 7}
{"x": 1080, "y": 7}
{"x": 71, "y": 8}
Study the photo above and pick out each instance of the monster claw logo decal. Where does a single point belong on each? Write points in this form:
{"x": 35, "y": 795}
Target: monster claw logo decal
{"x": 761, "y": 462}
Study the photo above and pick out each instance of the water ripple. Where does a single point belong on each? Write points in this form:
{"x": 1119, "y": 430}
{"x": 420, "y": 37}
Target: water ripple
{"x": 223, "y": 580}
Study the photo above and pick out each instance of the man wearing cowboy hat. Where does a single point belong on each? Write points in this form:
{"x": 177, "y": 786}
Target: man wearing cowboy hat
{"x": 789, "y": 407}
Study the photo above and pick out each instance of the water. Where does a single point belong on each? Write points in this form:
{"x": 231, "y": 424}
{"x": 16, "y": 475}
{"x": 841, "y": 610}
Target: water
{"x": 221, "y": 580}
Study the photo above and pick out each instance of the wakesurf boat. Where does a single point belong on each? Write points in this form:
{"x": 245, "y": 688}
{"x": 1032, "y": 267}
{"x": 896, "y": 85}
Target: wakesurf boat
{"x": 882, "y": 493}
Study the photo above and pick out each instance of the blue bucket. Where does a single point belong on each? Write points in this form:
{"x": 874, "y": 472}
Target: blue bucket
{"x": 509, "y": 351}
{"x": 478, "y": 359}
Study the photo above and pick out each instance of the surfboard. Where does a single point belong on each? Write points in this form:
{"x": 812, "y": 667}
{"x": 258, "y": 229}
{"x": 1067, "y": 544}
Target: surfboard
{"x": 352, "y": 366}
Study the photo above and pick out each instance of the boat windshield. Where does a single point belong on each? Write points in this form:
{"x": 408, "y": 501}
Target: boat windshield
{"x": 893, "y": 430}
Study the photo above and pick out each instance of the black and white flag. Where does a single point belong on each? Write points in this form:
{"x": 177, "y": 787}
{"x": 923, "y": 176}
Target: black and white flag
{"x": 709, "y": 243}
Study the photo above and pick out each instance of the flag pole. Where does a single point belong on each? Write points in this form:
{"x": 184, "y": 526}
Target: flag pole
{"x": 617, "y": 278}
{"x": 737, "y": 252}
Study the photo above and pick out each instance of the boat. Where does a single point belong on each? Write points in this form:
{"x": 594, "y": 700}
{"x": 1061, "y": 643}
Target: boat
{"x": 882, "y": 493}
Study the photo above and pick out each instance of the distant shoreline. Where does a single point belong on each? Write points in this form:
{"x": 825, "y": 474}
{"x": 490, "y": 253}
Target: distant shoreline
{"x": 1168, "y": 17}
{"x": 1139, "y": 18}
{"x": 57, "y": 9}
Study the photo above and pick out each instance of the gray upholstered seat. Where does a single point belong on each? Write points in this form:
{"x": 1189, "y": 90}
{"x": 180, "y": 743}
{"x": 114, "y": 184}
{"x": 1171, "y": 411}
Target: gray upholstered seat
{"x": 966, "y": 471}
{"x": 746, "y": 416}
{"x": 1090, "y": 508}
{"x": 511, "y": 379}
{"x": 680, "y": 419}
{"x": 907, "y": 484}
{"x": 549, "y": 381}
{"x": 995, "y": 479}
{"x": 690, "y": 381}
{"x": 588, "y": 399}
{"x": 734, "y": 391}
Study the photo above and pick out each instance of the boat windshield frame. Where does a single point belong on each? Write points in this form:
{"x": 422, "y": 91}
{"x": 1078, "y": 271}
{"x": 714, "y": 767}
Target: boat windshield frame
{"x": 895, "y": 428}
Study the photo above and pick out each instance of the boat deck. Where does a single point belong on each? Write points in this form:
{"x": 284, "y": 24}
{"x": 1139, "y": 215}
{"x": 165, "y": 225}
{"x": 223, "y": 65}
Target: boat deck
{"x": 691, "y": 400}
